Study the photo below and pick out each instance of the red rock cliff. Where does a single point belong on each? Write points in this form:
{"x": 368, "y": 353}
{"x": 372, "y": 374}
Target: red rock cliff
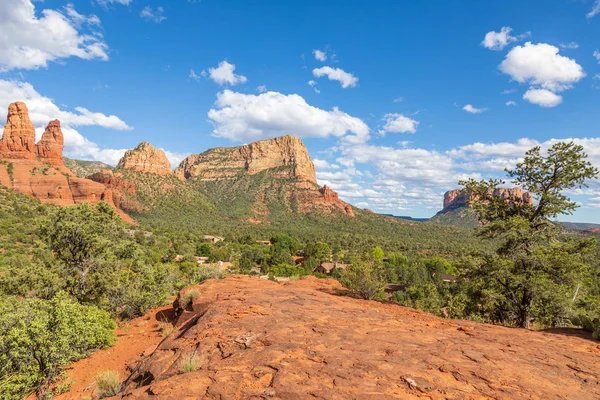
{"x": 50, "y": 146}
{"x": 18, "y": 138}
{"x": 46, "y": 179}
{"x": 146, "y": 158}
{"x": 458, "y": 198}
{"x": 228, "y": 162}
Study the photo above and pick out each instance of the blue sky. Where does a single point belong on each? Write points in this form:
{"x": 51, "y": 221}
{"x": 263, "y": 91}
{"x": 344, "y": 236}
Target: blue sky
{"x": 395, "y": 100}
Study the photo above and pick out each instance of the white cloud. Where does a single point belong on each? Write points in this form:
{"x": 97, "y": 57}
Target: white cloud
{"x": 498, "y": 40}
{"x": 595, "y": 9}
{"x": 320, "y": 55}
{"x": 597, "y": 55}
{"x": 571, "y": 45}
{"x": 193, "y": 75}
{"x": 511, "y": 103}
{"x": 224, "y": 73}
{"x": 153, "y": 15}
{"x": 323, "y": 164}
{"x": 346, "y": 79}
{"x": 398, "y": 99}
{"x": 543, "y": 97}
{"x": 399, "y": 123}
{"x": 313, "y": 84}
{"x": 509, "y": 91}
{"x": 43, "y": 109}
{"x": 473, "y": 110}
{"x": 261, "y": 89}
{"x": 541, "y": 65}
{"x": 175, "y": 158}
{"x": 31, "y": 42}
{"x": 246, "y": 117}
{"x": 105, "y": 3}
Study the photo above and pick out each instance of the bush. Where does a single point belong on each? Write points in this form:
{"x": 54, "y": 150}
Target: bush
{"x": 108, "y": 383}
{"x": 189, "y": 363}
{"x": 364, "y": 280}
{"x": 38, "y": 338}
{"x": 188, "y": 297}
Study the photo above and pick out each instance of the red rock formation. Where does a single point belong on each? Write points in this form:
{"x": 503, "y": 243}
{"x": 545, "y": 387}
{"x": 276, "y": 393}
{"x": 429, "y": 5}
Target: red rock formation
{"x": 47, "y": 179}
{"x": 459, "y": 198}
{"x": 146, "y": 158}
{"x": 328, "y": 194}
{"x": 50, "y": 146}
{"x": 18, "y": 138}
{"x": 257, "y": 339}
{"x": 228, "y": 162}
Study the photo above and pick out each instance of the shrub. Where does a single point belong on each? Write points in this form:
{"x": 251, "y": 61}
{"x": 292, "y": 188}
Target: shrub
{"x": 108, "y": 383}
{"x": 364, "y": 280}
{"x": 189, "y": 363}
{"x": 165, "y": 328}
{"x": 187, "y": 298}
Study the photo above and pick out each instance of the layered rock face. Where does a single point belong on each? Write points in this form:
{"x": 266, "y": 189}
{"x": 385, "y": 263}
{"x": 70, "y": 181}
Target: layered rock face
{"x": 258, "y": 339}
{"x": 331, "y": 198}
{"x": 458, "y": 198}
{"x": 18, "y": 138}
{"x": 50, "y": 146}
{"x": 146, "y": 158}
{"x": 46, "y": 179}
{"x": 228, "y": 162}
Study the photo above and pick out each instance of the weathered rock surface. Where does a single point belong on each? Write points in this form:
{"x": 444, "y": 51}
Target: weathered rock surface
{"x": 257, "y": 339}
{"x": 18, "y": 137}
{"x": 51, "y": 145}
{"x": 227, "y": 162}
{"x": 38, "y": 170}
{"x": 146, "y": 158}
{"x": 458, "y": 198}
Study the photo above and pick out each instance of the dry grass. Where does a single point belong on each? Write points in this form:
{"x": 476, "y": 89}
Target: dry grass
{"x": 189, "y": 363}
{"x": 108, "y": 383}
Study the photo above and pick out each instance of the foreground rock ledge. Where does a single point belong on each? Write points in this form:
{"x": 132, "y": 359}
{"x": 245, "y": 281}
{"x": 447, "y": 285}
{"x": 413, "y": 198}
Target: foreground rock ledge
{"x": 257, "y": 339}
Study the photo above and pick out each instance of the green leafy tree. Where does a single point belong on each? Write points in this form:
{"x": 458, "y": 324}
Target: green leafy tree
{"x": 364, "y": 278}
{"x": 531, "y": 260}
{"x": 319, "y": 251}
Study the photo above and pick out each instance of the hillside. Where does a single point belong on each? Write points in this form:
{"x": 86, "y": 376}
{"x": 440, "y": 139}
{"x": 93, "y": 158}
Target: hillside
{"x": 252, "y": 338}
{"x": 83, "y": 168}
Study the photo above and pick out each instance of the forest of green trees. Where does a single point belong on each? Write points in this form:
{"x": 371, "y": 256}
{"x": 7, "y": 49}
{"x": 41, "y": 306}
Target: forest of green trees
{"x": 69, "y": 275}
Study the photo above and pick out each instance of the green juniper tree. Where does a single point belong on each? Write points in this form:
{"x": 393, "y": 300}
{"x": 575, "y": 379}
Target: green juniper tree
{"x": 533, "y": 273}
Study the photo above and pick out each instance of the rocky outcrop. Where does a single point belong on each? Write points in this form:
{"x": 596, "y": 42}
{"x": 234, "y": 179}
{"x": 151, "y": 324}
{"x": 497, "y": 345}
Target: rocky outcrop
{"x": 459, "y": 198}
{"x": 18, "y": 138}
{"x": 146, "y": 158}
{"x": 287, "y": 153}
{"x": 38, "y": 170}
{"x": 328, "y": 194}
{"x": 50, "y": 146}
{"x": 330, "y": 198}
{"x": 256, "y": 339}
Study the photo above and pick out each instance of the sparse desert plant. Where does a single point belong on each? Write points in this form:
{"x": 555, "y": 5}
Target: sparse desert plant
{"x": 165, "y": 328}
{"x": 187, "y": 298}
{"x": 189, "y": 363}
{"x": 108, "y": 383}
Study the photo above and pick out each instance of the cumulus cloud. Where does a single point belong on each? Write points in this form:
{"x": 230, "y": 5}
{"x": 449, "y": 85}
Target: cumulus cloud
{"x": 542, "y": 97}
{"x": 105, "y": 3}
{"x": 224, "y": 73}
{"x": 541, "y": 65}
{"x": 320, "y": 55}
{"x": 261, "y": 89}
{"x": 246, "y": 117}
{"x": 43, "y": 109}
{"x": 473, "y": 110}
{"x": 324, "y": 164}
{"x": 399, "y": 123}
{"x": 346, "y": 79}
{"x": 511, "y": 103}
{"x": 31, "y": 42}
{"x": 153, "y": 15}
{"x": 193, "y": 75}
{"x": 597, "y": 55}
{"x": 498, "y": 40}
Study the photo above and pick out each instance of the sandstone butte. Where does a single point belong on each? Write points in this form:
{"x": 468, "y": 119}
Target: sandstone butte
{"x": 258, "y": 339}
{"x": 146, "y": 158}
{"x": 286, "y": 156}
{"x": 37, "y": 170}
{"x": 458, "y": 198}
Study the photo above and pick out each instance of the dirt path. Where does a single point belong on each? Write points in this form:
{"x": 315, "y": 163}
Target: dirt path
{"x": 134, "y": 338}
